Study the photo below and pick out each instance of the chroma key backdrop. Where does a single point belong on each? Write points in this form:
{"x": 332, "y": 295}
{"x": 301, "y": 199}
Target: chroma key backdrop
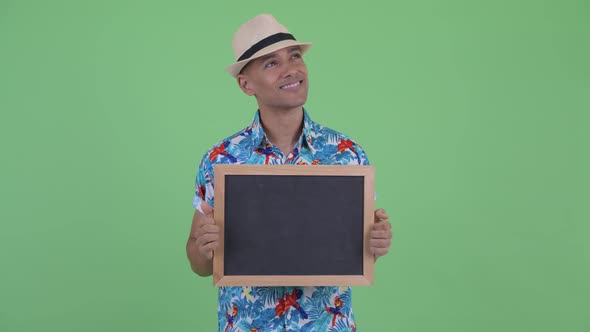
{"x": 475, "y": 115}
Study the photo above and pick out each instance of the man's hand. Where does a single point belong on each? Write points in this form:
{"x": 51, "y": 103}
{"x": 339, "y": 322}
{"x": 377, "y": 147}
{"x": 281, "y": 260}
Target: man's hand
{"x": 205, "y": 232}
{"x": 203, "y": 239}
{"x": 381, "y": 234}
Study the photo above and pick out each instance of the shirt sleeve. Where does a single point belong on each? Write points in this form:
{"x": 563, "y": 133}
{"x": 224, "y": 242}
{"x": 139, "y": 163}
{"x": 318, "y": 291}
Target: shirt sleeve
{"x": 361, "y": 156}
{"x": 204, "y": 191}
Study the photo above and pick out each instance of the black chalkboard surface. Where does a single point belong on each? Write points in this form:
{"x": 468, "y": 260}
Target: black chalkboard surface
{"x": 293, "y": 225}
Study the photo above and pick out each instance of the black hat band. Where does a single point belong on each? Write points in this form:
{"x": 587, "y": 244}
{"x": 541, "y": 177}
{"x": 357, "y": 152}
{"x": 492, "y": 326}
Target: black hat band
{"x": 272, "y": 39}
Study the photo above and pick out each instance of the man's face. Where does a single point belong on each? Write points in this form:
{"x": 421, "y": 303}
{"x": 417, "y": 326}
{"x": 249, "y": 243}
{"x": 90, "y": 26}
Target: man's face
{"x": 278, "y": 80}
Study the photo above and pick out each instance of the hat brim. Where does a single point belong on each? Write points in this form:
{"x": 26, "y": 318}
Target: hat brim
{"x": 235, "y": 68}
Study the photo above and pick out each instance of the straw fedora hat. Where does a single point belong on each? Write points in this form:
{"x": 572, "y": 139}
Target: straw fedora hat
{"x": 259, "y": 36}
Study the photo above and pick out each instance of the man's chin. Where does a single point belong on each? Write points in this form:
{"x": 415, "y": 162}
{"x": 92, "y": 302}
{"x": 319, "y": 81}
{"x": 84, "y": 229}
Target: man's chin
{"x": 287, "y": 104}
{"x": 299, "y": 102}
{"x": 294, "y": 104}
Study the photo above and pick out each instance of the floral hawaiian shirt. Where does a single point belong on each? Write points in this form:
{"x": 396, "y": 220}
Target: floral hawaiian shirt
{"x": 266, "y": 309}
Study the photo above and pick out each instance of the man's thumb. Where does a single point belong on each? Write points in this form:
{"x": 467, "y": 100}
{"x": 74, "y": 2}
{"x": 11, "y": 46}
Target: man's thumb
{"x": 206, "y": 208}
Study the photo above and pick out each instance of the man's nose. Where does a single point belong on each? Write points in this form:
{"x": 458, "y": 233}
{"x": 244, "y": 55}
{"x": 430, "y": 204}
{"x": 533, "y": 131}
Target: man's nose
{"x": 289, "y": 69}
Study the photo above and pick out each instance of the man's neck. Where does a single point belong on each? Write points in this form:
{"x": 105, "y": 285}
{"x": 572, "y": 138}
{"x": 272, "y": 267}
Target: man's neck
{"x": 282, "y": 127}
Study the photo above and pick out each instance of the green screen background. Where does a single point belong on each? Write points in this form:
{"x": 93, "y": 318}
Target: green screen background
{"x": 475, "y": 114}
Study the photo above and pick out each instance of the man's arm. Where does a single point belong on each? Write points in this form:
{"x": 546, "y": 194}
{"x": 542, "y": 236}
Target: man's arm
{"x": 203, "y": 239}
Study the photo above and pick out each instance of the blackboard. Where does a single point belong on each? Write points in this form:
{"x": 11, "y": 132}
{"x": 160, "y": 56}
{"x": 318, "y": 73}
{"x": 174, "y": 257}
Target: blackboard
{"x": 293, "y": 225}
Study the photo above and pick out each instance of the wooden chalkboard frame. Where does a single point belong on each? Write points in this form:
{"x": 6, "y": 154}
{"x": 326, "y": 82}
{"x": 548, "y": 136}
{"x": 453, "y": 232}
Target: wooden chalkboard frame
{"x": 366, "y": 279}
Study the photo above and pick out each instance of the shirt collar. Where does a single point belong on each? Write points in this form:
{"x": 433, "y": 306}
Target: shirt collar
{"x": 258, "y": 136}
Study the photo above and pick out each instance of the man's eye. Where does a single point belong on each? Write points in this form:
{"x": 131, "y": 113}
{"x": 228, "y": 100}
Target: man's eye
{"x": 296, "y": 56}
{"x": 270, "y": 64}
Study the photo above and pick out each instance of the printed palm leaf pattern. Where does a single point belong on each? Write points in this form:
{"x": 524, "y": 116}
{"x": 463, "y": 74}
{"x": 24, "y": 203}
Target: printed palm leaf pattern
{"x": 308, "y": 158}
{"x": 342, "y": 325}
{"x": 322, "y": 323}
{"x": 226, "y": 295}
{"x": 269, "y": 295}
{"x": 325, "y": 138}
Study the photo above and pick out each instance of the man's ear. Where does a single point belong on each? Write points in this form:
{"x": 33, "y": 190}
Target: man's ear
{"x": 245, "y": 85}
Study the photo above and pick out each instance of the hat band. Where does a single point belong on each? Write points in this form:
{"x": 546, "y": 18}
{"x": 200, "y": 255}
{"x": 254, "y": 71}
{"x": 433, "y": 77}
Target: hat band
{"x": 272, "y": 39}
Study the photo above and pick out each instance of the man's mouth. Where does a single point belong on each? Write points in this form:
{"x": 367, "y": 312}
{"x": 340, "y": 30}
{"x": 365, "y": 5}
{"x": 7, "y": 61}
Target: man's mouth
{"x": 291, "y": 85}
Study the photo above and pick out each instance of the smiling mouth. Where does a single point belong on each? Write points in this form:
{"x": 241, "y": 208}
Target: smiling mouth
{"x": 292, "y": 85}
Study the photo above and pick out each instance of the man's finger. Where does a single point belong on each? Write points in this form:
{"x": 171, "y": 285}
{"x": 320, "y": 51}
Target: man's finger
{"x": 209, "y": 228}
{"x": 206, "y": 220}
{"x": 380, "y": 243}
{"x": 382, "y": 225}
{"x": 211, "y": 245}
{"x": 381, "y": 215}
{"x": 381, "y": 234}
{"x": 204, "y": 246}
{"x": 207, "y": 253}
{"x": 380, "y": 251}
{"x": 208, "y": 238}
{"x": 207, "y": 250}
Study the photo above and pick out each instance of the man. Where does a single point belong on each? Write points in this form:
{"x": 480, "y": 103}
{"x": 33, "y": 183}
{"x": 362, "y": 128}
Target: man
{"x": 269, "y": 66}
